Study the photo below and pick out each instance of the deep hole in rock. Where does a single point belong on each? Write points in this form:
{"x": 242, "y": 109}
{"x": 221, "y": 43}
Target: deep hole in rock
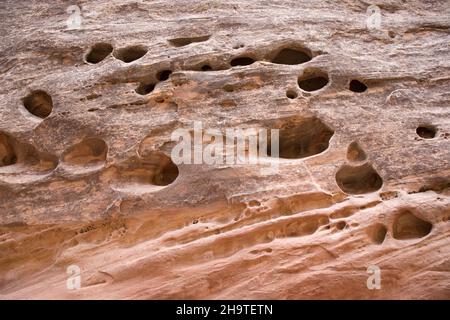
{"x": 143, "y": 174}
{"x": 144, "y": 88}
{"x": 358, "y": 179}
{"x": 39, "y": 103}
{"x": 357, "y": 86}
{"x": 291, "y": 57}
{"x": 291, "y": 94}
{"x": 241, "y": 61}
{"x": 426, "y": 131}
{"x": 312, "y": 80}
{"x": 7, "y": 153}
{"x": 26, "y": 156}
{"x": 408, "y": 226}
{"x": 303, "y": 139}
{"x": 99, "y": 52}
{"x": 341, "y": 225}
{"x": 355, "y": 152}
{"x": 163, "y": 75}
{"x": 181, "y": 42}
{"x": 130, "y": 53}
{"x": 166, "y": 173}
{"x": 90, "y": 151}
{"x": 378, "y": 233}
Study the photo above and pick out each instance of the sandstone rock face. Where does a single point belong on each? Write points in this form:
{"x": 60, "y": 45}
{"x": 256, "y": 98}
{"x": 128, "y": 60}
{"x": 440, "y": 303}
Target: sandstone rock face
{"x": 89, "y": 103}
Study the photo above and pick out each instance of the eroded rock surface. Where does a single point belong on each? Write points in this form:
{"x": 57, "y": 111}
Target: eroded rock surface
{"x": 86, "y": 177}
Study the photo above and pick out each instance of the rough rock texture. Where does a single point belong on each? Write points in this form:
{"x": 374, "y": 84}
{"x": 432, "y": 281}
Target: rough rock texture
{"x": 364, "y": 168}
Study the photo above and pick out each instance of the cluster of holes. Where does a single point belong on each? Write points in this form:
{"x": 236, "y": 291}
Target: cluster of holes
{"x": 25, "y": 156}
{"x": 287, "y": 56}
{"x": 145, "y": 88}
{"x": 100, "y": 51}
{"x": 294, "y": 143}
{"x": 406, "y": 226}
{"x": 358, "y": 179}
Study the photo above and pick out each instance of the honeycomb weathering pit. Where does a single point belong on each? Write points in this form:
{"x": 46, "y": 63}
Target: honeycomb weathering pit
{"x": 304, "y": 138}
{"x": 91, "y": 151}
{"x": 408, "y": 226}
{"x": 242, "y": 61}
{"x": 7, "y": 153}
{"x": 312, "y": 80}
{"x": 38, "y": 103}
{"x": 181, "y": 42}
{"x": 131, "y": 53}
{"x": 291, "y": 56}
{"x": 99, "y": 52}
{"x": 355, "y": 94}
{"x": 358, "y": 179}
{"x": 355, "y": 152}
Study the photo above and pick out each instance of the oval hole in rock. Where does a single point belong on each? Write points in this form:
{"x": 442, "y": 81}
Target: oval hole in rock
{"x": 312, "y": 80}
{"x": 291, "y": 57}
{"x": 303, "y": 139}
{"x": 89, "y": 152}
{"x": 357, "y": 86}
{"x": 143, "y": 175}
{"x": 355, "y": 152}
{"x": 167, "y": 172}
{"x": 408, "y": 226}
{"x": 181, "y": 42}
{"x": 98, "y": 52}
{"x": 130, "y": 53}
{"x": 22, "y": 161}
{"x": 358, "y": 179}
{"x": 341, "y": 225}
{"x": 38, "y": 103}
{"x": 7, "y": 153}
{"x": 144, "y": 89}
{"x": 377, "y": 233}
{"x": 242, "y": 61}
{"x": 426, "y": 131}
{"x": 163, "y": 75}
{"x": 291, "y": 94}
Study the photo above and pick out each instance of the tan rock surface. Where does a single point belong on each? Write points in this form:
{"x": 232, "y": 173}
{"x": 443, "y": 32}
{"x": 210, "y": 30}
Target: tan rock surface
{"x": 85, "y": 141}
